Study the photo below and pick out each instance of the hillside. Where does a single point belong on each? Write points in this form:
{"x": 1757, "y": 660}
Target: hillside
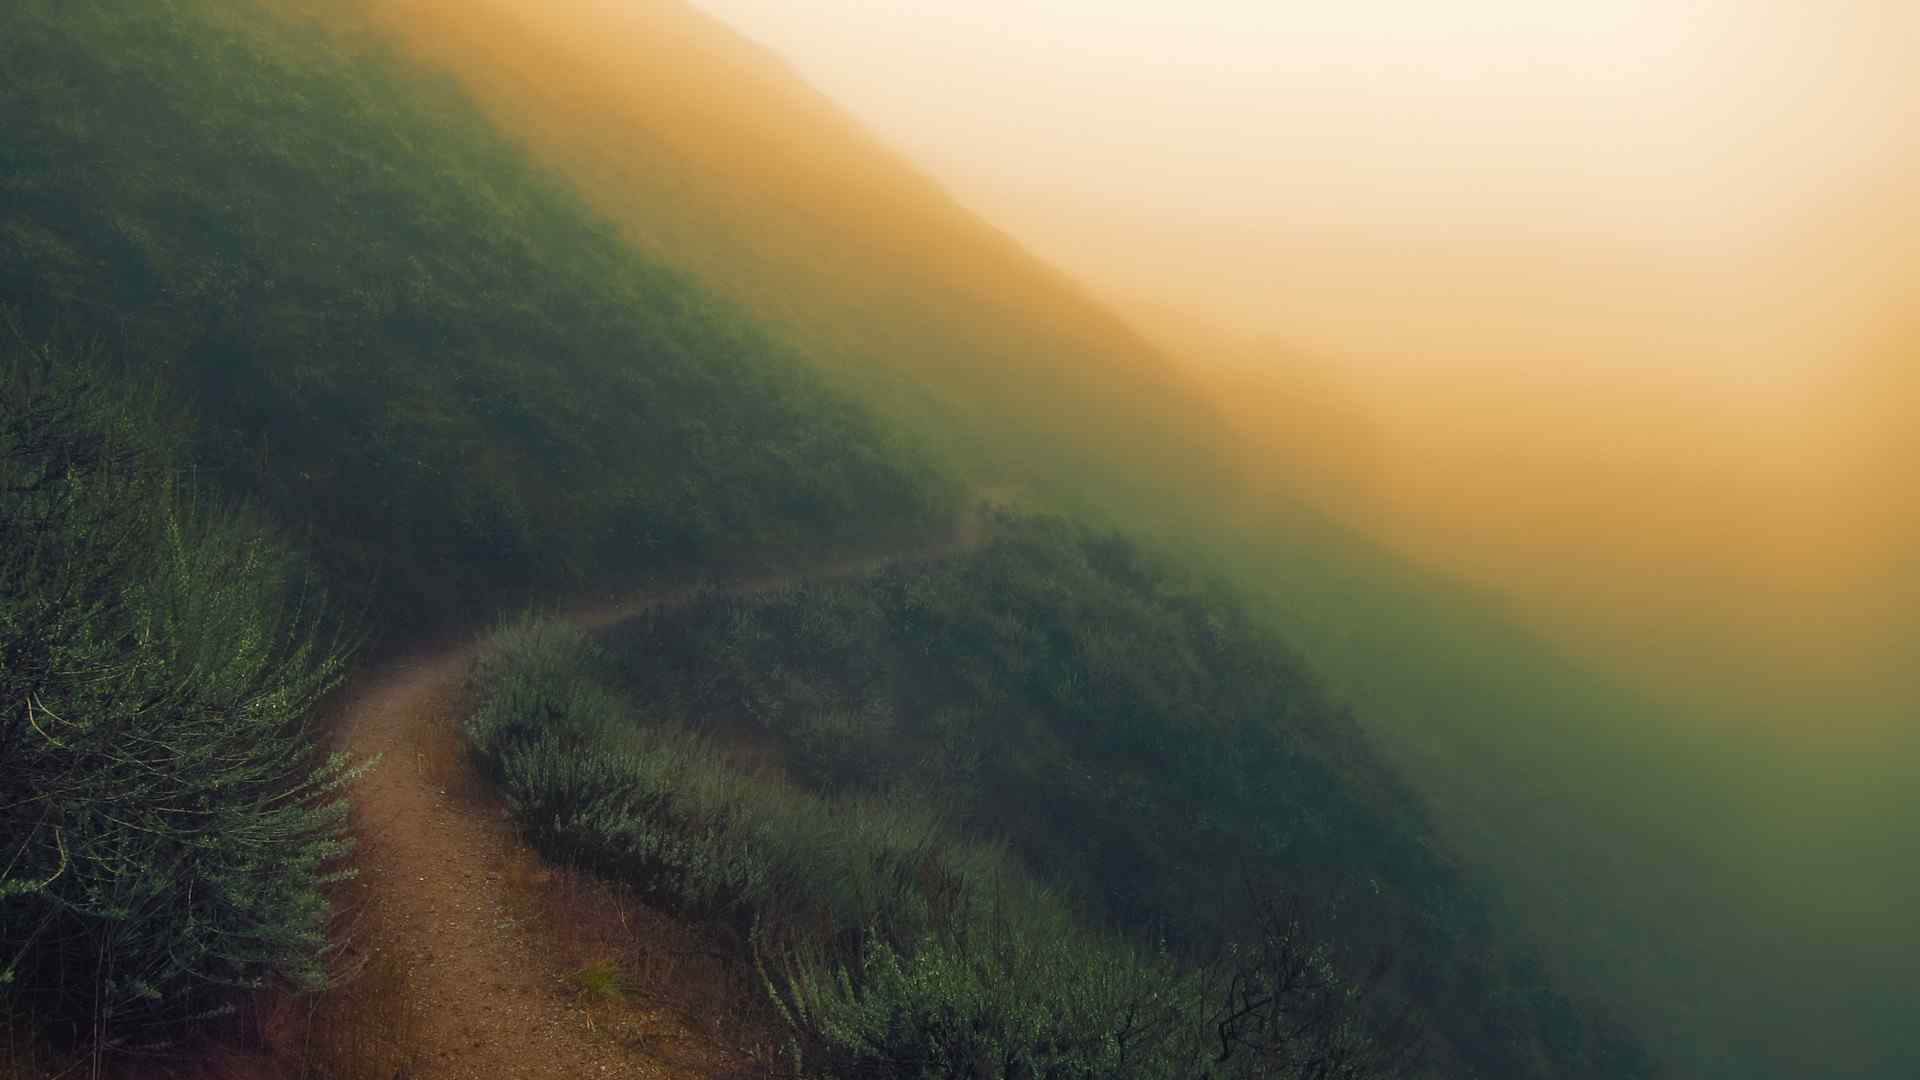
{"x": 712, "y": 155}
{"x": 954, "y": 796}
{"x": 396, "y": 330}
{"x": 438, "y": 381}
{"x": 1614, "y": 824}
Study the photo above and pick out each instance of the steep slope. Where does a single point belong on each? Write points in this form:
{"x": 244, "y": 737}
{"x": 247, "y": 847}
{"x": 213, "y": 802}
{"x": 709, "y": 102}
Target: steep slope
{"x": 1603, "y": 812}
{"x": 485, "y": 992}
{"x": 395, "y": 328}
{"x": 709, "y": 152}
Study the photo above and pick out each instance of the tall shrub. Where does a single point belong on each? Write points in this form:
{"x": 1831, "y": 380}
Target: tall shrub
{"x": 166, "y": 826}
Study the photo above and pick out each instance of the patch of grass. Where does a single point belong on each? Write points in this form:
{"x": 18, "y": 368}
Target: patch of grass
{"x": 600, "y": 981}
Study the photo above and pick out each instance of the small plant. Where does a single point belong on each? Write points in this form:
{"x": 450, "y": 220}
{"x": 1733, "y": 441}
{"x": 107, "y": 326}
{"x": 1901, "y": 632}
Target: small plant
{"x": 600, "y": 981}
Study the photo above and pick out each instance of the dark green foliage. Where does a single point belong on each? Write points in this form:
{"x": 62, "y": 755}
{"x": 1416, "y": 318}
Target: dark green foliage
{"x": 165, "y": 827}
{"x": 662, "y": 807}
{"x": 396, "y": 329}
{"x": 1135, "y": 741}
{"x": 1134, "y": 736}
{"x": 896, "y": 946}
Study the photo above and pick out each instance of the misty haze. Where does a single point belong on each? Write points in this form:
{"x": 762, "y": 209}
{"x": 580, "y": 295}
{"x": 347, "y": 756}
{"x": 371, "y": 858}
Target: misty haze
{"x": 1070, "y": 539}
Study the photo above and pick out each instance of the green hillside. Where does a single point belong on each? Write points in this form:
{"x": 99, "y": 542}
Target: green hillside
{"x": 395, "y": 329}
{"x": 710, "y": 154}
{"x": 1119, "y": 732}
{"x": 379, "y": 354}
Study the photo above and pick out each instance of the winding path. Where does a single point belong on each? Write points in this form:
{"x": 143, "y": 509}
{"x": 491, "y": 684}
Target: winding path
{"x": 489, "y": 997}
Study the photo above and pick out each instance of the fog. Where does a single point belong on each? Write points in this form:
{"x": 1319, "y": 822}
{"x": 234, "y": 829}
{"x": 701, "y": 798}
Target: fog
{"x": 1609, "y": 308}
{"x": 1616, "y": 287}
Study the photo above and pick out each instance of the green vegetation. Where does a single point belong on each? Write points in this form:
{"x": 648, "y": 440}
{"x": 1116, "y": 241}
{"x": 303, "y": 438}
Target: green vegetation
{"x": 403, "y": 345}
{"x": 1127, "y": 726}
{"x": 398, "y": 333}
{"x": 711, "y": 153}
{"x": 1021, "y": 794}
{"x": 599, "y": 981}
{"x": 166, "y": 827}
{"x": 893, "y": 944}
{"x": 1121, "y": 733}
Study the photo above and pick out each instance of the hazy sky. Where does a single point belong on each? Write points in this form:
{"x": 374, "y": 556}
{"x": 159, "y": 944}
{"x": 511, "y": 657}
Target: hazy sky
{"x": 1618, "y": 296}
{"x": 1618, "y": 183}
{"x": 1595, "y": 266}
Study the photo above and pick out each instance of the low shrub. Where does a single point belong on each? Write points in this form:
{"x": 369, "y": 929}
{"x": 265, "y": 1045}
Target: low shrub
{"x": 893, "y": 945}
{"x": 1134, "y": 735}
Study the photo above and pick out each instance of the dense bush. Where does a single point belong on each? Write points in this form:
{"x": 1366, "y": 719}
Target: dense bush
{"x": 1132, "y": 734}
{"x": 165, "y": 827}
{"x": 895, "y": 946}
{"x": 1125, "y": 724}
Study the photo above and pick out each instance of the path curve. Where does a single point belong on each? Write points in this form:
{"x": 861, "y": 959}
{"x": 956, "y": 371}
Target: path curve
{"x": 491, "y": 1002}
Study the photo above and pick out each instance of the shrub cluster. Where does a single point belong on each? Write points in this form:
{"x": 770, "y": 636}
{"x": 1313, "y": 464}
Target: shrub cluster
{"x": 1131, "y": 733}
{"x": 895, "y": 946}
{"x": 166, "y": 829}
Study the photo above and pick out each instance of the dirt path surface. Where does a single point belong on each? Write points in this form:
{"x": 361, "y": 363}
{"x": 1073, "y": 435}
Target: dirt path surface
{"x": 490, "y": 996}
{"x": 488, "y": 999}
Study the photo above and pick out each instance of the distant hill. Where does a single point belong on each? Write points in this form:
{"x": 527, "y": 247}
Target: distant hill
{"x": 714, "y": 156}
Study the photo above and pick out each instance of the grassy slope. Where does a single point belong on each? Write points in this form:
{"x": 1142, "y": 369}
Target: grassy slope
{"x": 1167, "y": 735}
{"x": 396, "y": 330}
{"x": 709, "y": 153}
{"x": 895, "y": 947}
{"x": 1135, "y": 736}
{"x": 427, "y": 363}
{"x": 1130, "y": 735}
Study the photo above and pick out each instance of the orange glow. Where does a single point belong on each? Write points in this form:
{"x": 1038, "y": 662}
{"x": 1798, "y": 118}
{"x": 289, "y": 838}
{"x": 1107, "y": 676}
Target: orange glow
{"x": 1607, "y": 306}
{"x": 1590, "y": 302}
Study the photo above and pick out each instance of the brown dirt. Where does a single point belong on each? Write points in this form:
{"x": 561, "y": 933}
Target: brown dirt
{"x": 482, "y": 945}
{"x": 490, "y": 997}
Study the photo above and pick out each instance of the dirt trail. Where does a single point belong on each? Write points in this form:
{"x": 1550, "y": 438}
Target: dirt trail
{"x": 491, "y": 998}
